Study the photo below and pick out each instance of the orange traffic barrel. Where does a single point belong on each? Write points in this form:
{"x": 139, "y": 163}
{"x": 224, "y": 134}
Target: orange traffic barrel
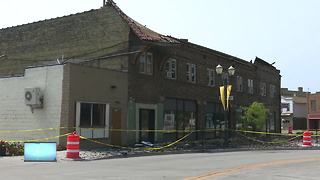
{"x": 306, "y": 141}
{"x": 73, "y": 145}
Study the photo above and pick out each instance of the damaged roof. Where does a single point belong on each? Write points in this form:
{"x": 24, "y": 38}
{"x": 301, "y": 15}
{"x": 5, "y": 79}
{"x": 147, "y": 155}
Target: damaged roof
{"x": 141, "y": 31}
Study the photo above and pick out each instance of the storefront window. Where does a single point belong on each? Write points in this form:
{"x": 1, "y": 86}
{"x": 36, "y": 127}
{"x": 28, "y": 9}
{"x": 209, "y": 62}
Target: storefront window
{"x": 209, "y": 120}
{"x": 272, "y": 118}
{"x": 214, "y": 119}
{"x": 169, "y": 120}
{"x": 239, "y": 113}
{"x": 179, "y": 114}
{"x": 170, "y": 114}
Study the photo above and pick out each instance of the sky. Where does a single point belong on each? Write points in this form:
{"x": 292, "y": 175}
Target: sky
{"x": 286, "y": 32}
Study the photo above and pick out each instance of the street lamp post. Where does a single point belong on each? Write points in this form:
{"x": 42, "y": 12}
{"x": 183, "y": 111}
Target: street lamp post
{"x": 225, "y": 80}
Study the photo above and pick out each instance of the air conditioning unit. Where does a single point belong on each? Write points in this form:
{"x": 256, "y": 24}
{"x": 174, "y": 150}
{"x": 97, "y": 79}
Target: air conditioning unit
{"x": 33, "y": 97}
{"x": 169, "y": 74}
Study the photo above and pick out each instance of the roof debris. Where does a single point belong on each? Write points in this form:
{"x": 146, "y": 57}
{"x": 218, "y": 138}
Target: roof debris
{"x": 141, "y": 31}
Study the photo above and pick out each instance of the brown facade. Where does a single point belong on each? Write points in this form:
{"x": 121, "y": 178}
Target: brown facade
{"x": 313, "y": 101}
{"x": 156, "y": 88}
{"x": 83, "y": 84}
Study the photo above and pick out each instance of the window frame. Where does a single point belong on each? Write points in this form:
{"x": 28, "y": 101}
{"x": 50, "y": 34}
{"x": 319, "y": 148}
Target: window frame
{"x": 285, "y": 106}
{"x": 211, "y": 77}
{"x": 91, "y": 113}
{"x": 263, "y": 89}
{"x": 239, "y": 85}
{"x": 146, "y": 63}
{"x": 191, "y": 76}
{"x": 170, "y": 70}
{"x": 272, "y": 90}
{"x": 184, "y": 112}
{"x": 93, "y": 131}
{"x": 250, "y": 86}
{"x": 313, "y": 105}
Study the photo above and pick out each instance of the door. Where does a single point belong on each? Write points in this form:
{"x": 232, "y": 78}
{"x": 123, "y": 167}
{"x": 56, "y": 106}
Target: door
{"x": 315, "y": 124}
{"x": 116, "y": 127}
{"x": 146, "y": 123}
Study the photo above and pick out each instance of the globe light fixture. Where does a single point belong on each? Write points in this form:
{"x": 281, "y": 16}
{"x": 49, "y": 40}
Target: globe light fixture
{"x": 219, "y": 69}
{"x": 231, "y": 70}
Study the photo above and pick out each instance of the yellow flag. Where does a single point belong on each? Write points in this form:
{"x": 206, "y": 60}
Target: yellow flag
{"x": 228, "y": 94}
{"x": 222, "y": 98}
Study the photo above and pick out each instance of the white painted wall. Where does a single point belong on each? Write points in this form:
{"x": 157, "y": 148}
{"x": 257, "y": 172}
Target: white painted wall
{"x": 15, "y": 115}
{"x": 287, "y": 100}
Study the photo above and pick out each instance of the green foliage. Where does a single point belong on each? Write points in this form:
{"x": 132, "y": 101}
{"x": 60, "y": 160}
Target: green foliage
{"x": 11, "y": 149}
{"x": 254, "y": 117}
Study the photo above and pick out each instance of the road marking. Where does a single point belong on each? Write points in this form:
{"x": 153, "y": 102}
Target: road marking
{"x": 224, "y": 172}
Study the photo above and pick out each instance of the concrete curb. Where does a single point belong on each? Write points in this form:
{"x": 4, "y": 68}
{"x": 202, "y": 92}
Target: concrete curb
{"x": 143, "y": 154}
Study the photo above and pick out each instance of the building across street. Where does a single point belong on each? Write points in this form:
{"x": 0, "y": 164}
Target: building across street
{"x": 294, "y": 109}
{"x": 300, "y": 109}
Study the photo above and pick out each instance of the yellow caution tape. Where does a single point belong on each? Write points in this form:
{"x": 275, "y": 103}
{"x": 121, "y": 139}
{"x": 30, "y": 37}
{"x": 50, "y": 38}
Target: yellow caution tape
{"x": 294, "y": 137}
{"x": 109, "y": 145}
{"x": 156, "y": 131}
{"x": 28, "y": 130}
{"x": 44, "y": 139}
{"x": 259, "y": 141}
{"x": 37, "y": 140}
{"x": 171, "y": 144}
{"x": 112, "y": 130}
{"x": 272, "y": 142}
{"x": 268, "y": 133}
{"x": 265, "y": 133}
{"x": 122, "y": 147}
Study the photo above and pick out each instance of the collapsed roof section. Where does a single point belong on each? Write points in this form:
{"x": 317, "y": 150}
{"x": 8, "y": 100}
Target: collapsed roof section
{"x": 141, "y": 31}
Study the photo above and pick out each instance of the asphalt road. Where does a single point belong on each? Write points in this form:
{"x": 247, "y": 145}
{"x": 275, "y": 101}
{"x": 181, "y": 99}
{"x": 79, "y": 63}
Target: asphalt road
{"x": 230, "y": 165}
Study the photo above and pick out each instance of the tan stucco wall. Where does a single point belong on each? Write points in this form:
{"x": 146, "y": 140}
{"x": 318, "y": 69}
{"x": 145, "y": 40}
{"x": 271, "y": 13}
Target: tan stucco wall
{"x": 88, "y": 84}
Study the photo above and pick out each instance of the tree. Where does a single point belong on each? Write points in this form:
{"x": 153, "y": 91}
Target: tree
{"x": 255, "y": 116}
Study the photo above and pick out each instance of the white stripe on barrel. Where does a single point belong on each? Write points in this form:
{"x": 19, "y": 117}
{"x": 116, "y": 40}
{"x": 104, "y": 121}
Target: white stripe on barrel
{"x": 73, "y": 142}
{"x": 72, "y": 151}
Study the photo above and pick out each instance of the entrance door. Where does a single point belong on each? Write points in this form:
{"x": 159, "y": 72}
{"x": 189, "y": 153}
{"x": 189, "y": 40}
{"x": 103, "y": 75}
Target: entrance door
{"x": 116, "y": 127}
{"x": 146, "y": 122}
{"x": 315, "y": 124}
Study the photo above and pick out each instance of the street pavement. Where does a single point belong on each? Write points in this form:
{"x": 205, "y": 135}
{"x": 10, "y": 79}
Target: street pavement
{"x": 282, "y": 165}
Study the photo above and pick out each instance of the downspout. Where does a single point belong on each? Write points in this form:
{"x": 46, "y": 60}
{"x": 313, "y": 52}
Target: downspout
{"x": 308, "y": 109}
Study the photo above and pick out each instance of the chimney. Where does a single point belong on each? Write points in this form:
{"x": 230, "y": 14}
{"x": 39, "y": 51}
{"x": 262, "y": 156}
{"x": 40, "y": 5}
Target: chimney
{"x": 104, "y": 3}
{"x": 300, "y": 89}
{"x": 184, "y": 40}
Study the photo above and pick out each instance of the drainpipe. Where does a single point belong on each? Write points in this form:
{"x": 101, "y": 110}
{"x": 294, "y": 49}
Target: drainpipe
{"x": 308, "y": 110}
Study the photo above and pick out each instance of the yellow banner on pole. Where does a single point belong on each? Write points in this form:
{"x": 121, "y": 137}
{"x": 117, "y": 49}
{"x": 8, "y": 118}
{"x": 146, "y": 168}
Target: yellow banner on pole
{"x": 228, "y": 94}
{"x": 222, "y": 98}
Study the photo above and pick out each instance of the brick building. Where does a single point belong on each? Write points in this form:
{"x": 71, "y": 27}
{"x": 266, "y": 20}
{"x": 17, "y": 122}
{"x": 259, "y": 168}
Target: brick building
{"x": 313, "y": 101}
{"x": 117, "y": 74}
{"x": 294, "y": 108}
